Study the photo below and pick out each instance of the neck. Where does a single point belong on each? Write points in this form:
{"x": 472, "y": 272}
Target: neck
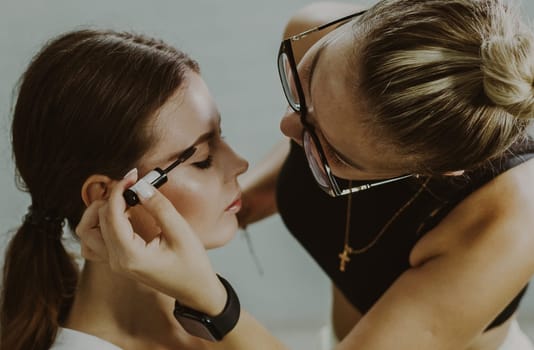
{"x": 122, "y": 311}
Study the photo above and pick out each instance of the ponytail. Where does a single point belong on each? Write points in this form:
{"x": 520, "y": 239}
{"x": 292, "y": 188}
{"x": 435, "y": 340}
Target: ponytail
{"x": 38, "y": 287}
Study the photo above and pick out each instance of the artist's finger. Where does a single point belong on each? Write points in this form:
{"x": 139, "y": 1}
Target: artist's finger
{"x": 88, "y": 230}
{"x": 124, "y": 245}
{"x": 89, "y": 221}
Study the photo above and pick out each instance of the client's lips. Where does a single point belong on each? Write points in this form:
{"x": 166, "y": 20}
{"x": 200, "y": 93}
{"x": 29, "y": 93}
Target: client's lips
{"x": 235, "y": 206}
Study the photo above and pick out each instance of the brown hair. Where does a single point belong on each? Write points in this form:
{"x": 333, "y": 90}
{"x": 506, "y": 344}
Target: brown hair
{"x": 82, "y": 108}
{"x": 449, "y": 81}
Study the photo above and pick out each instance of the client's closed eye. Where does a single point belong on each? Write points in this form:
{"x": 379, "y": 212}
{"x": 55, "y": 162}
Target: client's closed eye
{"x": 204, "y": 164}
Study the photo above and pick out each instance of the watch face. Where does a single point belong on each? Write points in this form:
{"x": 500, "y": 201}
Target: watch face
{"x": 198, "y": 327}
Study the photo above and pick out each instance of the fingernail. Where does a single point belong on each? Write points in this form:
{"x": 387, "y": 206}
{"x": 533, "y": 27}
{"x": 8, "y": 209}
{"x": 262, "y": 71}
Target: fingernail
{"x": 143, "y": 189}
{"x": 131, "y": 172}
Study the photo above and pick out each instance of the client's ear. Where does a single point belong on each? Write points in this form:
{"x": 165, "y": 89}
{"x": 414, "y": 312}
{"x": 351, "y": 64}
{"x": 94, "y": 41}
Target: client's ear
{"x": 96, "y": 187}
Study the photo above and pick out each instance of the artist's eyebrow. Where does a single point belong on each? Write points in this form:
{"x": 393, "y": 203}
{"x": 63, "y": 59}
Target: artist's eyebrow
{"x": 334, "y": 150}
{"x": 208, "y": 136}
{"x": 343, "y": 157}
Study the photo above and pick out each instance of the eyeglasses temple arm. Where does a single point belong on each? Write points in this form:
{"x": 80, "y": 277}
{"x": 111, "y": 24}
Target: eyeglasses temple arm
{"x": 322, "y": 26}
{"x": 367, "y": 186}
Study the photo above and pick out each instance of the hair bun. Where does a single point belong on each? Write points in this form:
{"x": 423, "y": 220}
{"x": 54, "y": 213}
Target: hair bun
{"x": 508, "y": 68}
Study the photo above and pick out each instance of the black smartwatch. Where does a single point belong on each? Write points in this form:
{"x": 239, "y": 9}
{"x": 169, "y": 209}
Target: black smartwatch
{"x": 210, "y": 328}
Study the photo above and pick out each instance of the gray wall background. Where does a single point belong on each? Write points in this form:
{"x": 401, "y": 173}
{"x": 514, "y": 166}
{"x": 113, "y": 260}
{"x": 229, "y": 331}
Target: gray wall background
{"x": 235, "y": 42}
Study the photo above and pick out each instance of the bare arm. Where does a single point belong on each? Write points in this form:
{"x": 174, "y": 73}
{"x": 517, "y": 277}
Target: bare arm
{"x": 344, "y": 314}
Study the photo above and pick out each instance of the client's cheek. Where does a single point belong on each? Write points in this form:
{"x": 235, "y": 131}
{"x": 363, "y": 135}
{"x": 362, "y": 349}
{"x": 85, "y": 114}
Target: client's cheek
{"x": 185, "y": 200}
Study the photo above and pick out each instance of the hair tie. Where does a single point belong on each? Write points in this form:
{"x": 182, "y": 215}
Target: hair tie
{"x": 43, "y": 219}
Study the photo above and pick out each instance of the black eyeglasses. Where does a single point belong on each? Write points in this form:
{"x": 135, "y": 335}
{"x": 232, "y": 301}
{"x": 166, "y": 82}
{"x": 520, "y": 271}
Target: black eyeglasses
{"x": 287, "y": 68}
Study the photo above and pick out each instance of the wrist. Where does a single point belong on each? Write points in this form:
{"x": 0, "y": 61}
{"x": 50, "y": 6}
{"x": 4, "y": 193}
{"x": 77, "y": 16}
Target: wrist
{"x": 216, "y": 300}
{"x": 207, "y": 296}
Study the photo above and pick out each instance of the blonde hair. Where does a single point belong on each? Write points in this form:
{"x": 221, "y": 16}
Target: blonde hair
{"x": 450, "y": 82}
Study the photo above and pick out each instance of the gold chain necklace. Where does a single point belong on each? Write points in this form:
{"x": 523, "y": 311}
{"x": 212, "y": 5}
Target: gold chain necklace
{"x": 344, "y": 256}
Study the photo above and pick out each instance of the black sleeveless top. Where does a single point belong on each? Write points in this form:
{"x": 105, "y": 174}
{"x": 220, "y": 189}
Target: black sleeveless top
{"x": 317, "y": 221}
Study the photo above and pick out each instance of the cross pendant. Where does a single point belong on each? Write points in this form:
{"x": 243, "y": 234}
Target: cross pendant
{"x": 344, "y": 258}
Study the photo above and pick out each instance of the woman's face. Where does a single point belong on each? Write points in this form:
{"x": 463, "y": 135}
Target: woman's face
{"x": 338, "y": 111}
{"x": 204, "y": 189}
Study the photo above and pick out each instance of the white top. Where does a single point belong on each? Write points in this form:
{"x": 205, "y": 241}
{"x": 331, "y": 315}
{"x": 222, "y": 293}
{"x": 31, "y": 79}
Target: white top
{"x": 69, "y": 339}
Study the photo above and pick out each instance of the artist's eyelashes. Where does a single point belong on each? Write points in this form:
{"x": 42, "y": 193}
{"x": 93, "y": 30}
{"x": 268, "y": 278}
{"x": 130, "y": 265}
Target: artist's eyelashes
{"x": 335, "y": 159}
{"x": 204, "y": 164}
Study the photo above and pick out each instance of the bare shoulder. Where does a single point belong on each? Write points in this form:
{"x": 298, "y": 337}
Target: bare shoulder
{"x": 509, "y": 196}
{"x": 502, "y": 211}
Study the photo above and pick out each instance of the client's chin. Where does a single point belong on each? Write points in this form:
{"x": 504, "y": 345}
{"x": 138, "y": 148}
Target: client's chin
{"x": 220, "y": 236}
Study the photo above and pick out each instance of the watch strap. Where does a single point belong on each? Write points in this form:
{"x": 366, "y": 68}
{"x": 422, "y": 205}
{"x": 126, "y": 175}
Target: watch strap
{"x": 221, "y": 324}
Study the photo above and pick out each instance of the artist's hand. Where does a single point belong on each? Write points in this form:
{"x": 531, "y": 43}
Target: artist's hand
{"x": 174, "y": 262}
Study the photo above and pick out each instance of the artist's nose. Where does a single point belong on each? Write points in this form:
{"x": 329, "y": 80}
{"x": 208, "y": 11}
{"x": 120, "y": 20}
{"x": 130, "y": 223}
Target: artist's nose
{"x": 291, "y": 126}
